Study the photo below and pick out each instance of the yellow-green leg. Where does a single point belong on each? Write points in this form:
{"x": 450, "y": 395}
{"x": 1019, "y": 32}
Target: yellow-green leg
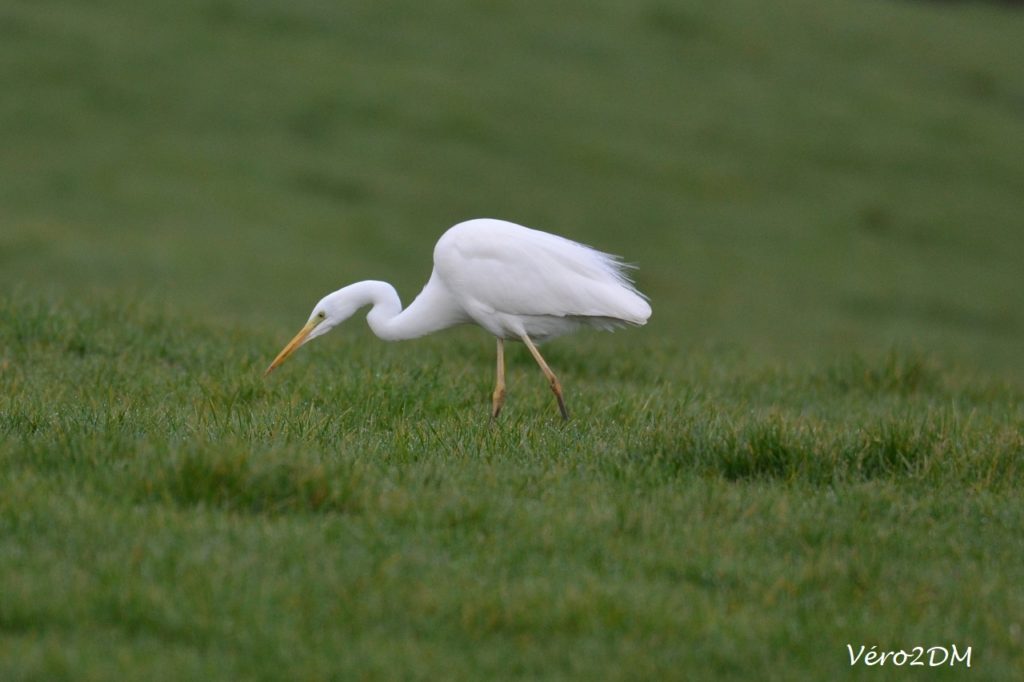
{"x": 556, "y": 387}
{"x": 498, "y": 398}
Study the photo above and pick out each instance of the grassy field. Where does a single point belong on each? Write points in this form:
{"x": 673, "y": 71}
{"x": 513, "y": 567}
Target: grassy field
{"x": 817, "y": 441}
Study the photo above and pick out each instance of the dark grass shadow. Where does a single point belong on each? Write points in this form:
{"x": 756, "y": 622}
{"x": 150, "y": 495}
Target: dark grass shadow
{"x": 240, "y": 479}
{"x": 791, "y": 449}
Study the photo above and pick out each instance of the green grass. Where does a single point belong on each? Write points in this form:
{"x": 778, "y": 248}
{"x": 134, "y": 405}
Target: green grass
{"x": 818, "y": 440}
{"x": 168, "y": 513}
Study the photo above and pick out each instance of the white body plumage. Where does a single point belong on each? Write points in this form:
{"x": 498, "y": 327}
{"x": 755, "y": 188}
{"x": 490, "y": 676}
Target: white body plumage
{"x": 512, "y": 280}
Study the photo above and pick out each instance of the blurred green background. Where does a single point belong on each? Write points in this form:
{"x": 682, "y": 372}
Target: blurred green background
{"x": 795, "y": 180}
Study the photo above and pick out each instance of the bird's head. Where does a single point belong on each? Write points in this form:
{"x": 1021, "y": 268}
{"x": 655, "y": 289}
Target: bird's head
{"x": 327, "y": 314}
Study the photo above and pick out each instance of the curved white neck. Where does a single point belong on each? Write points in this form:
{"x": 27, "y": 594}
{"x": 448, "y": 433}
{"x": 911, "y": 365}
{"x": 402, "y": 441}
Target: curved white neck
{"x": 431, "y": 311}
{"x": 387, "y": 308}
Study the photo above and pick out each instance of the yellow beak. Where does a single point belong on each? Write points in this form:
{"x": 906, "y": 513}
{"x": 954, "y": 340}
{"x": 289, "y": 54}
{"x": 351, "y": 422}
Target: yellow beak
{"x": 293, "y": 345}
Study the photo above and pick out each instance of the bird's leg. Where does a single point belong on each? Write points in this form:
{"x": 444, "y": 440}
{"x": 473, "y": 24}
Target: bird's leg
{"x": 556, "y": 387}
{"x": 498, "y": 399}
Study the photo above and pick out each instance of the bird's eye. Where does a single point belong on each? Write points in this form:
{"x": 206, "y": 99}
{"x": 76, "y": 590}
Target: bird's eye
{"x": 321, "y": 314}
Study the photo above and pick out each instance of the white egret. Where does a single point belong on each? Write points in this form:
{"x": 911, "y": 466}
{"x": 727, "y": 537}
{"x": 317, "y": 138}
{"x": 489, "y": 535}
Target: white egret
{"x": 517, "y": 283}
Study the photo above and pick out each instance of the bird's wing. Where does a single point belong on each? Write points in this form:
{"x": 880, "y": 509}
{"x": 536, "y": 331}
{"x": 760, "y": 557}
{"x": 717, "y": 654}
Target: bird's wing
{"x": 515, "y": 270}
